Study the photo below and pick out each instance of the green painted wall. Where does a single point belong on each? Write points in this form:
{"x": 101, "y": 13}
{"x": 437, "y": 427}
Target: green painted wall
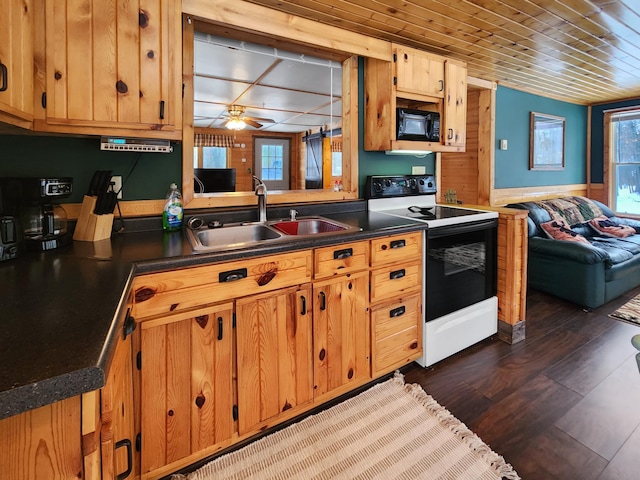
{"x": 512, "y": 123}
{"x": 149, "y": 174}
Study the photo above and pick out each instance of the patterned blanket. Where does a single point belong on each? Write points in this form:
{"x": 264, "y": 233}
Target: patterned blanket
{"x": 574, "y": 210}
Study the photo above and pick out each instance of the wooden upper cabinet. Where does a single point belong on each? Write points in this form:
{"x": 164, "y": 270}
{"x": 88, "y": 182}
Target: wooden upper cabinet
{"x": 112, "y": 68}
{"x": 16, "y": 62}
{"x": 414, "y": 80}
{"x": 454, "y": 124}
{"x": 419, "y": 72}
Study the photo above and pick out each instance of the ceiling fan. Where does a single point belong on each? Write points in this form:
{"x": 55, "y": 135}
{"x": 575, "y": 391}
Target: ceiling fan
{"x": 237, "y": 120}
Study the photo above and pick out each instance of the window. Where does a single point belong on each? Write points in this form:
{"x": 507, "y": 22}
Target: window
{"x": 210, "y": 157}
{"x": 624, "y": 161}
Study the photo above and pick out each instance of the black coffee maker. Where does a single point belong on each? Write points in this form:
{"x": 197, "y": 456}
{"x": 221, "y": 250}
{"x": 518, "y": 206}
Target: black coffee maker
{"x": 33, "y": 200}
{"x": 11, "y": 238}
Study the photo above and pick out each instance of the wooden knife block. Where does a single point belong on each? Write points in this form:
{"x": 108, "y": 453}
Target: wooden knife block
{"x": 91, "y": 227}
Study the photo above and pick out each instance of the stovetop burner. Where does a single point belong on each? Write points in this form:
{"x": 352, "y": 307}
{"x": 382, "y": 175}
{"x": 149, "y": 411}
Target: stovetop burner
{"x": 437, "y": 212}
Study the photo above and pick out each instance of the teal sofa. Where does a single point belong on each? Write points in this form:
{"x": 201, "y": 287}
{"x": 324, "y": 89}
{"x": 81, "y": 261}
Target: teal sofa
{"x": 588, "y": 273}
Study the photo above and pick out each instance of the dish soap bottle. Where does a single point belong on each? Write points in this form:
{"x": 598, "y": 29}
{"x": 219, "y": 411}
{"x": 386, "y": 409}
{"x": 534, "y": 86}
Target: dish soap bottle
{"x": 172, "y": 213}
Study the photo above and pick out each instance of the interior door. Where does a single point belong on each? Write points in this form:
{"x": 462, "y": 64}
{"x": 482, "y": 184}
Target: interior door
{"x": 272, "y": 162}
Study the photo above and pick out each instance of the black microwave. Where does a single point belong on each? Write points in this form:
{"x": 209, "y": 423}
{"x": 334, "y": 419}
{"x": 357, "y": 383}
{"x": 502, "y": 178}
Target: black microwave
{"x": 417, "y": 125}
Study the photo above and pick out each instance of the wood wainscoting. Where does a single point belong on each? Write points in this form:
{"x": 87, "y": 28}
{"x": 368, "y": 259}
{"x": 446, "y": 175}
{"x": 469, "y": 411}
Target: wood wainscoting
{"x": 505, "y": 196}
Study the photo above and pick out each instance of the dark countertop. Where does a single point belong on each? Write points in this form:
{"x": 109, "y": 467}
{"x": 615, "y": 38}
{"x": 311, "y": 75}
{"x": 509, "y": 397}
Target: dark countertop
{"x": 62, "y": 310}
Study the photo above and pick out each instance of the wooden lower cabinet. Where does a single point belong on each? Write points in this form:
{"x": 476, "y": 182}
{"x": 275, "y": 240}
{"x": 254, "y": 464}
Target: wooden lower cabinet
{"x": 274, "y": 361}
{"x": 341, "y": 342}
{"x": 43, "y": 444}
{"x": 187, "y": 389}
{"x": 118, "y": 432}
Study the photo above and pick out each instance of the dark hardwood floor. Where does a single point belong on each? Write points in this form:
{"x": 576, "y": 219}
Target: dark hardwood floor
{"x": 562, "y": 404}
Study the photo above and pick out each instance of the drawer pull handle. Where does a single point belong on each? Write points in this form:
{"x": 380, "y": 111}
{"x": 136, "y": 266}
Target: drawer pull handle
{"x": 219, "y": 328}
{"x": 450, "y": 135}
{"x": 344, "y": 253}
{"x": 397, "y": 312}
{"x": 303, "y": 300}
{"x": 3, "y": 76}
{"x": 232, "y": 275}
{"x": 397, "y": 274}
{"x": 398, "y": 243}
{"x": 323, "y": 301}
{"x": 441, "y": 83}
{"x": 126, "y": 443}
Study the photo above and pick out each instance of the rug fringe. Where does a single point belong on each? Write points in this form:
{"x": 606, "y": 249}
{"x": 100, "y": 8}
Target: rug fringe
{"x": 458, "y": 428}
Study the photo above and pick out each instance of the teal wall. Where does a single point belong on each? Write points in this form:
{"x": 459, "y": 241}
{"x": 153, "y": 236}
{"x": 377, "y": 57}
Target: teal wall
{"x": 150, "y": 174}
{"x": 512, "y": 123}
{"x": 597, "y": 136}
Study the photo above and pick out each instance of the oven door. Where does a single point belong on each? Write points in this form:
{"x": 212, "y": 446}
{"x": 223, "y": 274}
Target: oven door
{"x": 461, "y": 267}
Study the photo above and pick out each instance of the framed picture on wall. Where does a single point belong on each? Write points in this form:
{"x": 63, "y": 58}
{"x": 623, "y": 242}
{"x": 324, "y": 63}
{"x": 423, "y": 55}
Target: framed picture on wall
{"x": 546, "y": 142}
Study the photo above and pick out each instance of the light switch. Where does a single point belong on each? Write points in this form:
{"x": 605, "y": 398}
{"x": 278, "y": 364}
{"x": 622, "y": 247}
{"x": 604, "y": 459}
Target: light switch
{"x": 504, "y": 144}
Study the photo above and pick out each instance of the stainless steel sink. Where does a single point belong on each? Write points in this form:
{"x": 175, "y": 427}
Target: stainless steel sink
{"x": 311, "y": 226}
{"x": 235, "y": 236}
{"x": 225, "y": 238}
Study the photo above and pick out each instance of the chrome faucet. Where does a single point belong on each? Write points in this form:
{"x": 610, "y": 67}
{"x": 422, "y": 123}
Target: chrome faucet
{"x": 261, "y": 192}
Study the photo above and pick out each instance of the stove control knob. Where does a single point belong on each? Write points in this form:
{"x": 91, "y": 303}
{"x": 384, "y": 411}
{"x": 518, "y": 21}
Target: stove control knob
{"x": 413, "y": 183}
{"x": 387, "y": 183}
{"x": 377, "y": 187}
{"x": 430, "y": 184}
{"x": 422, "y": 181}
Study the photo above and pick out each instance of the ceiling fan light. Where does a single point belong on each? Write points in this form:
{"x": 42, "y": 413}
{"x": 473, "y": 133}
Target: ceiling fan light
{"x": 236, "y": 124}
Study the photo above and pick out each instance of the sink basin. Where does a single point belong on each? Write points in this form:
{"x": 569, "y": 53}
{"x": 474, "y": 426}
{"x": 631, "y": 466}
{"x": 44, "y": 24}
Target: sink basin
{"x": 238, "y": 236}
{"x": 311, "y": 226}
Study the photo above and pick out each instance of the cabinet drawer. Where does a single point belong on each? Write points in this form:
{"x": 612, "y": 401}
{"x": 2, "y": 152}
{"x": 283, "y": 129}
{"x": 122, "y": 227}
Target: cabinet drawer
{"x": 397, "y": 333}
{"x": 340, "y": 259}
{"x": 166, "y": 292}
{"x": 398, "y": 248}
{"x": 397, "y": 279}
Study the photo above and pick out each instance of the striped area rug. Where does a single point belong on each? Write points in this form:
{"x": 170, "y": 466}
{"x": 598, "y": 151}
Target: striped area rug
{"x": 391, "y": 431}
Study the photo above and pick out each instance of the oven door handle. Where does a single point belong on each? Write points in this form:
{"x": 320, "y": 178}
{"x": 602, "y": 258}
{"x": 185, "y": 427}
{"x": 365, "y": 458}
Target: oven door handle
{"x": 460, "y": 228}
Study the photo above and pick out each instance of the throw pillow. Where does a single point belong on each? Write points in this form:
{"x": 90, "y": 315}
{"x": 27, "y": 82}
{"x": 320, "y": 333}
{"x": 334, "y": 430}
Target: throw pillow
{"x": 559, "y": 230}
{"x": 608, "y": 228}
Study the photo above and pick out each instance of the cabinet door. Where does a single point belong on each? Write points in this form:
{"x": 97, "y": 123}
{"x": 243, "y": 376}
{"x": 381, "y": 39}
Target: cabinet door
{"x": 117, "y": 412}
{"x": 419, "y": 72}
{"x": 341, "y": 345}
{"x": 273, "y": 354}
{"x": 16, "y": 62}
{"x": 455, "y": 104}
{"x": 112, "y": 65}
{"x": 186, "y": 384}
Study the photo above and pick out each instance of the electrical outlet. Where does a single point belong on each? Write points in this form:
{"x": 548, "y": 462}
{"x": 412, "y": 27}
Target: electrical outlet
{"x": 117, "y": 185}
{"x": 418, "y": 170}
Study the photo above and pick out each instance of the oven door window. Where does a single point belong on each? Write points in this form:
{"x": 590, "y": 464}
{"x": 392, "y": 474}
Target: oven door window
{"x": 461, "y": 271}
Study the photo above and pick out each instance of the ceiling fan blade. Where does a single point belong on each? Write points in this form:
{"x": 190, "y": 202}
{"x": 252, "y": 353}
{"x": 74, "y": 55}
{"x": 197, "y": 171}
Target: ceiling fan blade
{"x": 260, "y": 119}
{"x": 252, "y": 122}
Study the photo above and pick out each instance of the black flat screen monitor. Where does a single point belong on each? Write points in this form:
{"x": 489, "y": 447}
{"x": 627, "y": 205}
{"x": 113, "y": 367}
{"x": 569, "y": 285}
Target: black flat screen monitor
{"x": 214, "y": 180}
